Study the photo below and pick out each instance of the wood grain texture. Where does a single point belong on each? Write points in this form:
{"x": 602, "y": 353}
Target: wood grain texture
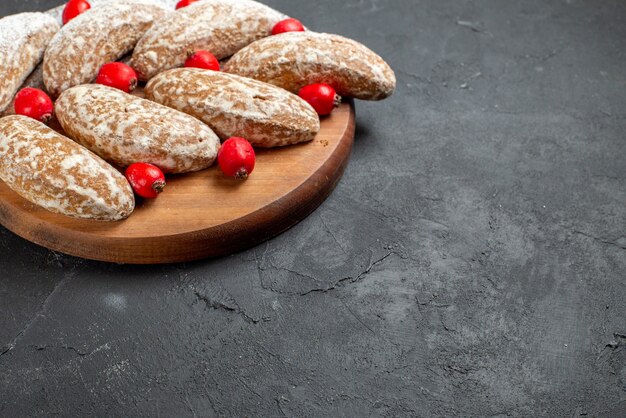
{"x": 202, "y": 214}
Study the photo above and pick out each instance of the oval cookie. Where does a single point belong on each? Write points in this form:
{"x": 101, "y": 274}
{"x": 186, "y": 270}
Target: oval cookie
{"x": 265, "y": 115}
{"x": 124, "y": 129}
{"x": 58, "y": 174}
{"x": 295, "y": 59}
{"x": 221, "y": 27}
{"x": 23, "y": 40}
{"x": 87, "y": 42}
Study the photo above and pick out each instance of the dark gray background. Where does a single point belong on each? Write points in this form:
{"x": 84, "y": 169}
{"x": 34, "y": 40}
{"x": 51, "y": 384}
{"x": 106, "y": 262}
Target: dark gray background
{"x": 471, "y": 262}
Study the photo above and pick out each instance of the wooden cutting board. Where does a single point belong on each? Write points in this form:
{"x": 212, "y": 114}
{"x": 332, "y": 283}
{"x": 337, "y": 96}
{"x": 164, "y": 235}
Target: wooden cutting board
{"x": 202, "y": 214}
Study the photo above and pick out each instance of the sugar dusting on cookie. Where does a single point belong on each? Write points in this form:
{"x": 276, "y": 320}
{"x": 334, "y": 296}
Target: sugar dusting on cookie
{"x": 293, "y": 60}
{"x": 124, "y": 129}
{"x": 220, "y": 26}
{"x": 92, "y": 39}
{"x": 56, "y": 173}
{"x": 57, "y": 12}
{"x": 23, "y": 40}
{"x": 265, "y": 115}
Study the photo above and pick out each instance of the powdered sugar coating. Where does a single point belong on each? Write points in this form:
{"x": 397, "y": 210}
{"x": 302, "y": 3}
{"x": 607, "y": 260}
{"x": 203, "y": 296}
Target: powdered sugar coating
{"x": 92, "y": 39}
{"x": 265, "y": 115}
{"x": 221, "y": 27}
{"x": 56, "y": 173}
{"x": 23, "y": 40}
{"x": 295, "y": 59}
{"x": 57, "y": 12}
{"x": 125, "y": 129}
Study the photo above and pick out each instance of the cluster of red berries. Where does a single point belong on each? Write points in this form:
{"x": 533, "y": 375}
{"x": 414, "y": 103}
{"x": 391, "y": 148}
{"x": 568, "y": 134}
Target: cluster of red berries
{"x": 236, "y": 156}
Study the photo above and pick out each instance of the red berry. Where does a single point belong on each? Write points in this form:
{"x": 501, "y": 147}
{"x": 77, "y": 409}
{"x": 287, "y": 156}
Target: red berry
{"x": 322, "y": 97}
{"x": 118, "y": 75}
{"x": 288, "y": 25}
{"x": 73, "y": 8}
{"x": 184, "y": 3}
{"x": 203, "y": 59}
{"x": 34, "y": 103}
{"x": 236, "y": 158}
{"x": 147, "y": 180}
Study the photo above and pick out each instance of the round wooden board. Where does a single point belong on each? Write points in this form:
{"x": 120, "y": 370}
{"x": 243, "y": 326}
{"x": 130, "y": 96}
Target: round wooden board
{"x": 202, "y": 214}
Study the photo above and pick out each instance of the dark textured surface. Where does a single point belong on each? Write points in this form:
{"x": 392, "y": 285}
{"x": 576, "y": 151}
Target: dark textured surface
{"x": 471, "y": 262}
